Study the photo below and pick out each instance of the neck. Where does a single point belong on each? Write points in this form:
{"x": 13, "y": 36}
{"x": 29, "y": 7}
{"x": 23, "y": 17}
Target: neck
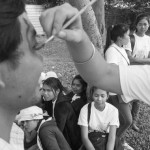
{"x": 118, "y": 44}
{"x": 7, "y": 116}
{"x": 99, "y": 107}
{"x": 140, "y": 34}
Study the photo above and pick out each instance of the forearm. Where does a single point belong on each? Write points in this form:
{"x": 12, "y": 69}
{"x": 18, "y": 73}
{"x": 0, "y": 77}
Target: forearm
{"x": 111, "y": 138}
{"x": 110, "y": 144}
{"x": 88, "y": 145}
{"x": 81, "y": 52}
{"x": 95, "y": 71}
{"x": 145, "y": 61}
{"x": 139, "y": 61}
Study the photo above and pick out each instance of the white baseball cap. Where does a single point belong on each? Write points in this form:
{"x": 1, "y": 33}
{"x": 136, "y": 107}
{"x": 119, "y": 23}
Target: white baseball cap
{"x": 30, "y": 113}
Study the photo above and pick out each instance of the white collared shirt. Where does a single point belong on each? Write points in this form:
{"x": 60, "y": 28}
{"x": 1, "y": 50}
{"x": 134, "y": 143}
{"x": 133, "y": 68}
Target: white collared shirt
{"x": 75, "y": 97}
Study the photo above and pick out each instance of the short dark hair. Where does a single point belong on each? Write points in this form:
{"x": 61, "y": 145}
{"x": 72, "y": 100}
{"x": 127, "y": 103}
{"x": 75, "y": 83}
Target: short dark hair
{"x": 10, "y": 31}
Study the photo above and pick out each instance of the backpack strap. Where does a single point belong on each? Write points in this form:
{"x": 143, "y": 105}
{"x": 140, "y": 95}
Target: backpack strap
{"x": 132, "y": 39}
{"x": 89, "y": 112}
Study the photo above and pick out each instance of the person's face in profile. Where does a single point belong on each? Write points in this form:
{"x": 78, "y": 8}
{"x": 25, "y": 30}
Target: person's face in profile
{"x": 48, "y": 93}
{"x": 30, "y": 125}
{"x": 20, "y": 83}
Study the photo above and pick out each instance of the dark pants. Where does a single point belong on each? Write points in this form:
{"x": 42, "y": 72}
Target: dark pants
{"x": 125, "y": 116}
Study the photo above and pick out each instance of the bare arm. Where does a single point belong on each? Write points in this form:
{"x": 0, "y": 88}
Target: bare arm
{"x": 84, "y": 134}
{"x": 95, "y": 71}
{"x": 111, "y": 138}
{"x": 137, "y": 61}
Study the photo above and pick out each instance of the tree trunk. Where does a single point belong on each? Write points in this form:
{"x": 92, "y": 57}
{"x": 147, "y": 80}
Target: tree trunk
{"x": 89, "y": 23}
{"x": 99, "y": 11}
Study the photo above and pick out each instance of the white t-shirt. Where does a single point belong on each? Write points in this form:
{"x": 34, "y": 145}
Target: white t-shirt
{"x": 135, "y": 82}
{"x": 141, "y": 48}
{"x": 116, "y": 55}
{"x": 99, "y": 120}
{"x": 5, "y": 146}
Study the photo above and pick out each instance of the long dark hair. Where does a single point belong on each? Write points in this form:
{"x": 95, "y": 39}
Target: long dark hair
{"x": 83, "y": 83}
{"x": 55, "y": 84}
{"x": 113, "y": 32}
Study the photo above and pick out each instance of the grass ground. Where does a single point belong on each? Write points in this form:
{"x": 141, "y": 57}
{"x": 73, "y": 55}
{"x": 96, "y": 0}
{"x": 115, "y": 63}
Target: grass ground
{"x": 57, "y": 58}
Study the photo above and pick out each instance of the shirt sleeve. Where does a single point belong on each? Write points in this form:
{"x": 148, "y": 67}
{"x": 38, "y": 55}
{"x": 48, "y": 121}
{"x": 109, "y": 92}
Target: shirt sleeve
{"x": 135, "y": 82}
{"x": 111, "y": 55}
{"x": 82, "y": 120}
{"x": 115, "y": 118}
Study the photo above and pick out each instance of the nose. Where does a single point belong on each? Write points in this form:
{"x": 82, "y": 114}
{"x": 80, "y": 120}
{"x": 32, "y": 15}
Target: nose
{"x": 45, "y": 92}
{"x": 99, "y": 98}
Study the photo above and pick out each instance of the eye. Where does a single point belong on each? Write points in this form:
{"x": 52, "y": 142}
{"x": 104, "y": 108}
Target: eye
{"x": 102, "y": 96}
{"x": 95, "y": 95}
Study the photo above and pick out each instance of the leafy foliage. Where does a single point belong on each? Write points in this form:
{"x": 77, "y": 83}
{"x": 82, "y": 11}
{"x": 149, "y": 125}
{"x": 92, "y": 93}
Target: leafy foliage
{"x": 46, "y": 2}
{"x": 137, "y": 4}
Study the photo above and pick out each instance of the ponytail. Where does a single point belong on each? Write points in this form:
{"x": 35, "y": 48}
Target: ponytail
{"x": 108, "y": 38}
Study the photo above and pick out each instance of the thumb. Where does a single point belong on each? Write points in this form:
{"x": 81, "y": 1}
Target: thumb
{"x": 71, "y": 35}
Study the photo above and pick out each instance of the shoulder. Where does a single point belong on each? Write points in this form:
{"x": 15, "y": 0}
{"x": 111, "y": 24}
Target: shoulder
{"x": 63, "y": 99}
{"x": 147, "y": 37}
{"x": 111, "y": 52}
{"x": 46, "y": 126}
{"x": 111, "y": 108}
{"x": 85, "y": 107}
{"x": 70, "y": 95}
{"x": 111, "y": 49}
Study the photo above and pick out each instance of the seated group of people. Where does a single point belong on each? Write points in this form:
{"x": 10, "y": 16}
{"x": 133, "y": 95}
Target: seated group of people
{"x": 21, "y": 66}
{"x": 60, "y": 120}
